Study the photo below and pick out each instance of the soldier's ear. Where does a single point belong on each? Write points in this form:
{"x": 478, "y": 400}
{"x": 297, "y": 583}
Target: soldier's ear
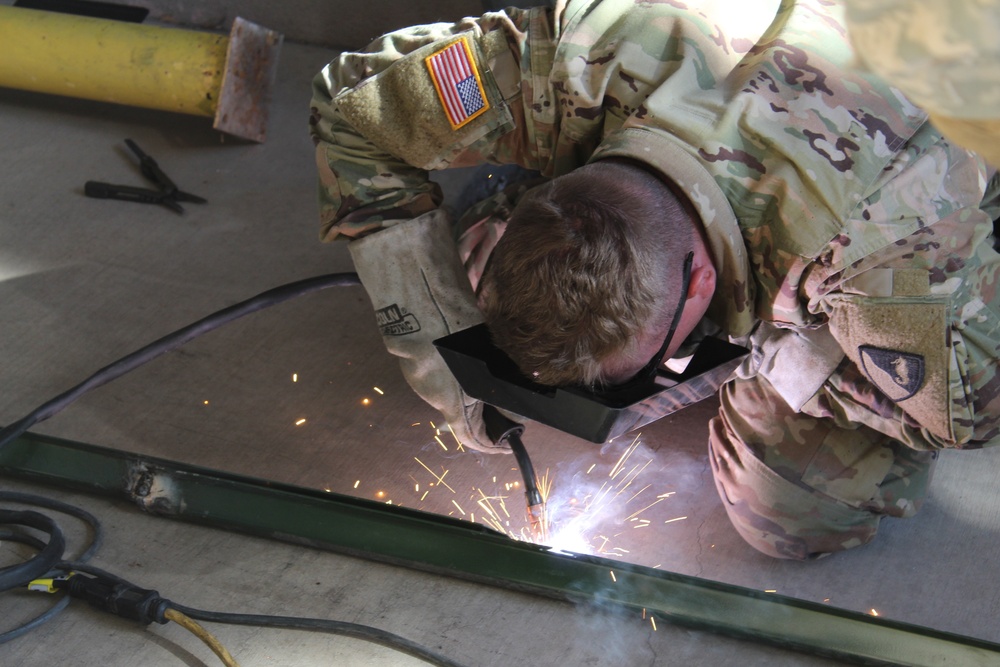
{"x": 702, "y": 282}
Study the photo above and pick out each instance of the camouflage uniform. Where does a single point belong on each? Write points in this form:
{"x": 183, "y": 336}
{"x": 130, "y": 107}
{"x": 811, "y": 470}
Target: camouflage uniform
{"x": 848, "y": 237}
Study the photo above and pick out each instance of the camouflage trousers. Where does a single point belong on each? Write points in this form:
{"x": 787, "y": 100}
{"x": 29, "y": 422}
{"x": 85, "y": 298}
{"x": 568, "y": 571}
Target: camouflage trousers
{"x": 799, "y": 486}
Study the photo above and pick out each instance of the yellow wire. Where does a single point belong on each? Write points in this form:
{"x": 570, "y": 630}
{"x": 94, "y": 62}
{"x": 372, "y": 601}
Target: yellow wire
{"x": 201, "y": 633}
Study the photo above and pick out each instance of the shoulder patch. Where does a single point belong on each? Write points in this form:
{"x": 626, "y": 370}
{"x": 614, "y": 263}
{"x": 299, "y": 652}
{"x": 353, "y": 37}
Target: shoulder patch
{"x": 903, "y": 347}
{"x": 899, "y": 375}
{"x": 458, "y": 83}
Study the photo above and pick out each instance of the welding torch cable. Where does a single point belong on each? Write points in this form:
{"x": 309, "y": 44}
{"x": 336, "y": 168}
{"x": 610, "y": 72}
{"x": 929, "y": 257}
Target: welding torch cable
{"x": 501, "y": 428}
{"x": 531, "y": 492}
{"x": 535, "y": 503}
{"x": 172, "y": 341}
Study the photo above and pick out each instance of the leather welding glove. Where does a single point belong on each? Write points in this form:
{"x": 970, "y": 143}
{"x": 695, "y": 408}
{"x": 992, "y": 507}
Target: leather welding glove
{"x": 418, "y": 287}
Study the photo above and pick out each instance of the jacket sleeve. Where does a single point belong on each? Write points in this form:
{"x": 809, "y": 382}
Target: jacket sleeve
{"x": 381, "y": 118}
{"x": 918, "y": 318}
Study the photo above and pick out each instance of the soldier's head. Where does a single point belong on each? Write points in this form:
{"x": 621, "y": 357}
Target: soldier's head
{"x": 586, "y": 281}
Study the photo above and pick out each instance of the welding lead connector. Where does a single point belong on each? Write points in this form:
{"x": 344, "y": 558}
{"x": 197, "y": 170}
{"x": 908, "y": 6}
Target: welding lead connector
{"x": 116, "y": 597}
{"x": 49, "y": 584}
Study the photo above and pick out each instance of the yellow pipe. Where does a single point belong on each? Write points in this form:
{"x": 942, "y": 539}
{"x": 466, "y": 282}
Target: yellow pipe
{"x": 112, "y": 61}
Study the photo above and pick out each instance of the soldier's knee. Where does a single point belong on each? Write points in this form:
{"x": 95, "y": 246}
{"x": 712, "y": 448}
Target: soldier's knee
{"x": 776, "y": 516}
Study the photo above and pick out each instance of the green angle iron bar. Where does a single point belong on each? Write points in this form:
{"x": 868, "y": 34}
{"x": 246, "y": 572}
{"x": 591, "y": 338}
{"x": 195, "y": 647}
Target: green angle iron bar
{"x": 456, "y": 548}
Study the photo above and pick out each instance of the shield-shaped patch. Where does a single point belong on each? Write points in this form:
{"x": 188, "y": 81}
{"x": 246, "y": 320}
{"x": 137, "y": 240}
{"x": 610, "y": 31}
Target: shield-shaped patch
{"x": 899, "y": 375}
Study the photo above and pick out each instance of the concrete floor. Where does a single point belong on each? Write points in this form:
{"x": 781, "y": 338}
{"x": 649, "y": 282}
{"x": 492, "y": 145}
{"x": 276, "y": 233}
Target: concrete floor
{"x": 84, "y": 281}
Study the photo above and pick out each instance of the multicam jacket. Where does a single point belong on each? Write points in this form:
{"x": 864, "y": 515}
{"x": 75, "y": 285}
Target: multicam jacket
{"x": 829, "y": 203}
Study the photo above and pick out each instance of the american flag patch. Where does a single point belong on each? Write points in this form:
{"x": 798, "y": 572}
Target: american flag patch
{"x": 457, "y": 82}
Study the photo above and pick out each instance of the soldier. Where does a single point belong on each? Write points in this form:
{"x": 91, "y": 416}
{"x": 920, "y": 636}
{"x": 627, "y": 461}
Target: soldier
{"x": 716, "y": 168}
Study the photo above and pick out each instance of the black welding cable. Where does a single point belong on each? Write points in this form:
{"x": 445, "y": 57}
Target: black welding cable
{"x": 20, "y": 575}
{"x": 174, "y": 340}
{"x": 96, "y": 532}
{"x": 36, "y": 622}
{"x": 51, "y": 552}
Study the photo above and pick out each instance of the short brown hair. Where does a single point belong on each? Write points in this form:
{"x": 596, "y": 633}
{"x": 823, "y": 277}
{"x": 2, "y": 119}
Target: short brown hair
{"x": 588, "y": 261}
